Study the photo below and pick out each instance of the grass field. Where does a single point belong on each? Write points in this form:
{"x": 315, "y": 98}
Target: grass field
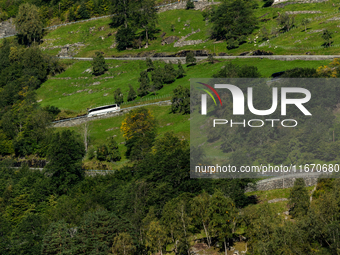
{"x": 296, "y": 41}
{"x": 76, "y": 91}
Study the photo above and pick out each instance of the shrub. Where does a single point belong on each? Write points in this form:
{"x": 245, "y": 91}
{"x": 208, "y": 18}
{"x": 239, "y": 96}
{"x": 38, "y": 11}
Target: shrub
{"x": 190, "y": 5}
{"x": 98, "y": 64}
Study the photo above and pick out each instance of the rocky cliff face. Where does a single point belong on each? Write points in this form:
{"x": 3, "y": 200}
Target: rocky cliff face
{"x": 7, "y": 28}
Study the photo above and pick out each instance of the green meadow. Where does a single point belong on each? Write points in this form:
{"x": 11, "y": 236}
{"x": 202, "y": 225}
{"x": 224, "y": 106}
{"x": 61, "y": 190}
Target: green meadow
{"x": 97, "y": 35}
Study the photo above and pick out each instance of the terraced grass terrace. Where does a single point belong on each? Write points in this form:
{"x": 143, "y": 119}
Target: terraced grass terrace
{"x": 97, "y": 35}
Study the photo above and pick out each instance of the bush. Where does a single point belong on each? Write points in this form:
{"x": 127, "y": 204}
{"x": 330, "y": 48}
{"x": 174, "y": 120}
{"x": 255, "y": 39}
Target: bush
{"x": 113, "y": 154}
{"x": 144, "y": 84}
{"x": 119, "y": 99}
{"x": 98, "y": 64}
{"x": 268, "y": 3}
{"x": 180, "y": 71}
{"x": 181, "y": 100}
{"x": 300, "y": 72}
{"x": 91, "y": 153}
{"x": 170, "y": 73}
{"x": 132, "y": 94}
{"x": 211, "y": 59}
{"x": 102, "y": 152}
{"x": 125, "y": 38}
{"x": 190, "y": 5}
{"x": 82, "y": 12}
{"x": 190, "y": 58}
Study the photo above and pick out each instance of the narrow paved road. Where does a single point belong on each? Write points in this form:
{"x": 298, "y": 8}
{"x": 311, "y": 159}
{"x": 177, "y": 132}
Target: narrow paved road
{"x": 274, "y": 57}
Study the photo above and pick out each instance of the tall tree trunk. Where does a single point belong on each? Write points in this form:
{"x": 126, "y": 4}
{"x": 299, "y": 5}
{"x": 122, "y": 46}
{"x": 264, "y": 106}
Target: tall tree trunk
{"x": 207, "y": 235}
{"x": 147, "y": 37}
{"x": 225, "y": 247}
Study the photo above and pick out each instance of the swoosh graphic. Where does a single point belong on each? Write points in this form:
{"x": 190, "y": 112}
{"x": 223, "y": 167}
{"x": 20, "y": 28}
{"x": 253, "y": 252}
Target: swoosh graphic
{"x": 213, "y": 90}
{"x": 207, "y": 91}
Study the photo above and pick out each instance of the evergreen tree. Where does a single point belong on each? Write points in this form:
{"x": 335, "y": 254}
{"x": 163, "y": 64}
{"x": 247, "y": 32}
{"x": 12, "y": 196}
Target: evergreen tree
{"x": 180, "y": 100}
{"x": 132, "y": 94}
{"x": 113, "y": 153}
{"x": 125, "y": 37}
{"x": 65, "y": 154}
{"x": 97, "y": 231}
{"x": 144, "y": 84}
{"x": 71, "y": 15}
{"x": 190, "y": 58}
{"x": 157, "y": 77}
{"x": 180, "y": 71}
{"x": 27, "y": 235}
{"x": 98, "y": 64}
{"x": 28, "y": 24}
{"x": 119, "y": 99}
{"x": 82, "y": 12}
{"x": 299, "y": 199}
{"x": 57, "y": 239}
{"x": 123, "y": 11}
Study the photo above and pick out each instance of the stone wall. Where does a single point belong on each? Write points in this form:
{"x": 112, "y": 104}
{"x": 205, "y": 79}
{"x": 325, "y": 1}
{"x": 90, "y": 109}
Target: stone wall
{"x": 302, "y": 12}
{"x": 182, "y": 5}
{"x": 283, "y": 3}
{"x": 283, "y": 182}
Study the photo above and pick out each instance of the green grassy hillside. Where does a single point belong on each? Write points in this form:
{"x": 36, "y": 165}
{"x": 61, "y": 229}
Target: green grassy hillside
{"x": 296, "y": 41}
{"x": 74, "y": 90}
{"x": 100, "y": 130}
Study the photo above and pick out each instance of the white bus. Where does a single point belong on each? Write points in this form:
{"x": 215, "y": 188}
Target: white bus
{"x": 103, "y": 110}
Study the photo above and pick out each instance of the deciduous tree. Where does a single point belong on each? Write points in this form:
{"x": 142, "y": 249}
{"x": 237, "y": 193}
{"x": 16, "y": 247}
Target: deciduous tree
{"x": 299, "y": 199}
{"x": 139, "y": 131}
{"x": 28, "y": 24}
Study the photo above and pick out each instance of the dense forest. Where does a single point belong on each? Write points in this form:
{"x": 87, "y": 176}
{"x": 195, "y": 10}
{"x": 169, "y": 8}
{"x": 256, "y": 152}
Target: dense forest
{"x": 151, "y": 202}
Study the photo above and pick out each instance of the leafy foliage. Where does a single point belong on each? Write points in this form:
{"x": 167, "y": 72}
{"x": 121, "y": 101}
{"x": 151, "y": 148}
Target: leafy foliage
{"x": 65, "y": 154}
{"x": 144, "y": 84}
{"x": 118, "y": 96}
{"x": 299, "y": 199}
{"x": 139, "y": 131}
{"x": 181, "y": 100}
{"x": 190, "y": 58}
{"x": 132, "y": 94}
{"x": 233, "y": 21}
{"x": 98, "y": 64}
{"x": 190, "y": 5}
{"x": 28, "y": 24}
